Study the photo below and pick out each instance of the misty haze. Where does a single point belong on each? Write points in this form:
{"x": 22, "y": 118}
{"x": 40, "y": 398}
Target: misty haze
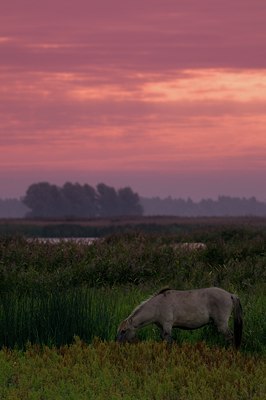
{"x": 45, "y": 200}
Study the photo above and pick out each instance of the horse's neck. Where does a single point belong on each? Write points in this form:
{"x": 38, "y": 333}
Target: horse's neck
{"x": 143, "y": 317}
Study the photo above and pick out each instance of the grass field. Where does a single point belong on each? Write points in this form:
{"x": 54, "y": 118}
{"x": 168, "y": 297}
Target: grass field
{"x": 148, "y": 370}
{"x": 51, "y": 293}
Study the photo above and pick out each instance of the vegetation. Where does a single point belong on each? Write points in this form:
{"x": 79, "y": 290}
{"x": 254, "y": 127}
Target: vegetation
{"x": 55, "y": 317}
{"x": 12, "y": 208}
{"x": 102, "y": 227}
{"x": 51, "y": 293}
{"x": 82, "y": 201}
{"x": 143, "y": 371}
{"x": 223, "y": 206}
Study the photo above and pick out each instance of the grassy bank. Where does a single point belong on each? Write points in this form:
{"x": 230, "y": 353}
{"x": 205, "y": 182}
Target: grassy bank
{"x": 143, "y": 371}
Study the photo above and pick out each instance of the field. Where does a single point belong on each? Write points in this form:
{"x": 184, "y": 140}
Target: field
{"x": 61, "y": 303}
{"x": 148, "y": 370}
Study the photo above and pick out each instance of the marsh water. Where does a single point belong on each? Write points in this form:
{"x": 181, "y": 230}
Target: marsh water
{"x": 55, "y": 240}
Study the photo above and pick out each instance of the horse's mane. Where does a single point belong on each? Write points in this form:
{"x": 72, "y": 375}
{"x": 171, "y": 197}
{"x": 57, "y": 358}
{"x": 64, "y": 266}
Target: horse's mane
{"x": 138, "y": 308}
{"x": 163, "y": 290}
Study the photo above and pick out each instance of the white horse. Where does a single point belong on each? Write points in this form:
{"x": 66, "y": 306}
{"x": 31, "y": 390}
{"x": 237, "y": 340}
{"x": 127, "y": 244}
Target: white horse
{"x": 185, "y": 309}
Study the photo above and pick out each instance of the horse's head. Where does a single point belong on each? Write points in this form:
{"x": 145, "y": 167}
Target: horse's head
{"x": 126, "y": 331}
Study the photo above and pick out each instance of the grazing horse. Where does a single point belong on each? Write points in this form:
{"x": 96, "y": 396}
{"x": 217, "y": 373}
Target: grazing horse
{"x": 185, "y": 309}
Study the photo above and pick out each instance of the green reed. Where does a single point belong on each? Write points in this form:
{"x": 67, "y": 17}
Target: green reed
{"x": 55, "y": 318}
{"x": 236, "y": 261}
{"x": 51, "y": 292}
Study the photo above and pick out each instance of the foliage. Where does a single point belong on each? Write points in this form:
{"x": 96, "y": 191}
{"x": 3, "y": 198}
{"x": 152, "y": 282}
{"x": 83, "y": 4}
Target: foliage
{"x": 233, "y": 258}
{"x": 181, "y": 229}
{"x": 12, "y": 208}
{"x": 223, "y": 206}
{"x": 143, "y": 371}
{"x": 54, "y": 318}
{"x": 82, "y": 201}
{"x": 51, "y": 291}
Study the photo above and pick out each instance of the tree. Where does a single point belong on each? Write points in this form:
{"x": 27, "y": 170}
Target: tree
{"x": 108, "y": 204}
{"x": 75, "y": 200}
{"x": 129, "y": 202}
{"x": 43, "y": 199}
{"x": 79, "y": 201}
{"x": 91, "y": 200}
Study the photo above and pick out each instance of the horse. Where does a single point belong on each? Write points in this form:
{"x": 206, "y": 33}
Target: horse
{"x": 185, "y": 309}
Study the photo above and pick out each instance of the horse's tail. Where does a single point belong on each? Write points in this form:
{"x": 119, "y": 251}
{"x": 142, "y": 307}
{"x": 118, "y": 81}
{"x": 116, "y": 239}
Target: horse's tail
{"x": 238, "y": 321}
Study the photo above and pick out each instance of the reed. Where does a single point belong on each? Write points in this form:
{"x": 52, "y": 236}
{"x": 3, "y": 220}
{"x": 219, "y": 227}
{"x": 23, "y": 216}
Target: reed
{"x": 51, "y": 292}
{"x": 55, "y": 318}
{"x": 135, "y": 259}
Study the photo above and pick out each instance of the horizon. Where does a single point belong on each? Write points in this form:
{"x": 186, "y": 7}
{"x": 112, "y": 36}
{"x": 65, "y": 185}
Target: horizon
{"x": 169, "y": 100}
{"x": 152, "y": 197}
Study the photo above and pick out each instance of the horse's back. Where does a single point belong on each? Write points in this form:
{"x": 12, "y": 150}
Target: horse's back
{"x": 208, "y": 297}
{"x": 197, "y": 304}
{"x": 217, "y": 295}
{"x": 195, "y": 294}
{"x": 185, "y": 308}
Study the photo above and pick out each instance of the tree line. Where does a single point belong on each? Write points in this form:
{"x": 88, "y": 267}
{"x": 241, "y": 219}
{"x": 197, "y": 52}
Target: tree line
{"x": 74, "y": 200}
{"x": 223, "y": 206}
{"x": 81, "y": 201}
{"x": 12, "y": 208}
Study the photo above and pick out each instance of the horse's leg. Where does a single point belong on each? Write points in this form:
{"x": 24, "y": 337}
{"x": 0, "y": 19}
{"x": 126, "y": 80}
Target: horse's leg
{"x": 224, "y": 329}
{"x": 166, "y": 333}
{"x": 221, "y": 321}
{"x": 228, "y": 334}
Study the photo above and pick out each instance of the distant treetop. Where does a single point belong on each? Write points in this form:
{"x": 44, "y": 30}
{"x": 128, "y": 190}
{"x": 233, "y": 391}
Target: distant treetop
{"x": 84, "y": 201}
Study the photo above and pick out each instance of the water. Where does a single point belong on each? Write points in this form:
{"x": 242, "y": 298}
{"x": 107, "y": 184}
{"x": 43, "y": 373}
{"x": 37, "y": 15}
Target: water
{"x": 84, "y": 240}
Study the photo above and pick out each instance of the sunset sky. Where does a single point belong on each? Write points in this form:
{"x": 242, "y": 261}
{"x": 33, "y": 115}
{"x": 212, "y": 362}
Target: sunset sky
{"x": 165, "y": 96}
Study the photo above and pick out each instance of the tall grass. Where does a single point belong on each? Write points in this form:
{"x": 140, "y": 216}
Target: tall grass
{"x": 56, "y": 317}
{"x": 238, "y": 262}
{"x": 51, "y": 292}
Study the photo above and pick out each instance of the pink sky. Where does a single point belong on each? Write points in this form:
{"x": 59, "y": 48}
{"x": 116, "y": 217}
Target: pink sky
{"x": 166, "y": 96}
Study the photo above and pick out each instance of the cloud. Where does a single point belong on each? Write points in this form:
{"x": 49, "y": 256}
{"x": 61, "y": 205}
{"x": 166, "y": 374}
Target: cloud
{"x": 61, "y": 35}
{"x": 126, "y": 86}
